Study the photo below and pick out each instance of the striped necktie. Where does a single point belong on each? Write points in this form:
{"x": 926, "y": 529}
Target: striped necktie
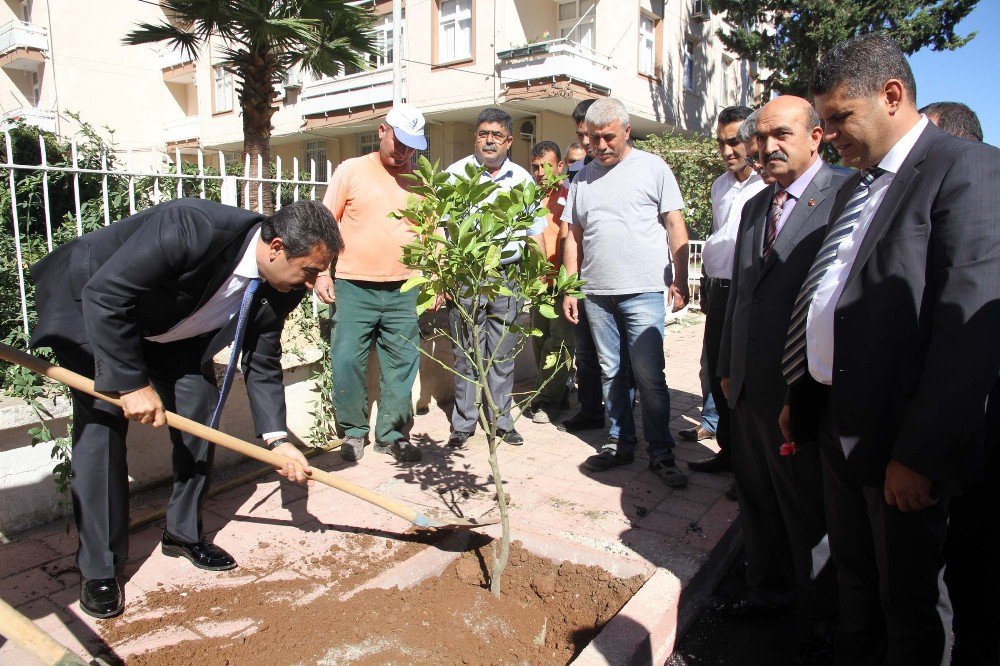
{"x": 780, "y": 197}
{"x": 241, "y": 329}
{"x": 793, "y": 362}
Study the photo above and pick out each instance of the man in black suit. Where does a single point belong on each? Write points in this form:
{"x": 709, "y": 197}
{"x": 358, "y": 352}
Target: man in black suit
{"x": 781, "y": 501}
{"x": 143, "y": 306}
{"x": 892, "y": 349}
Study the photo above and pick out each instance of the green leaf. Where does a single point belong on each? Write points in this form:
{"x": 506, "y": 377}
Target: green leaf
{"x": 547, "y": 310}
{"x": 414, "y": 281}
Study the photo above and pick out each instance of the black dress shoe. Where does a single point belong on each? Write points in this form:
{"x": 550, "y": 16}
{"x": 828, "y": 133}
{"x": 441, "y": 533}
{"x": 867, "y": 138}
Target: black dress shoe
{"x": 747, "y": 608}
{"x": 458, "y": 439}
{"x": 203, "y": 554}
{"x": 609, "y": 457}
{"x": 815, "y": 650}
{"x": 581, "y": 421}
{"x": 102, "y": 597}
{"x": 695, "y": 434}
{"x": 720, "y": 462}
{"x": 512, "y": 437}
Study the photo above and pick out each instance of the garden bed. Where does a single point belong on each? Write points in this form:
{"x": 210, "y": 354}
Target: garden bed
{"x": 348, "y": 608}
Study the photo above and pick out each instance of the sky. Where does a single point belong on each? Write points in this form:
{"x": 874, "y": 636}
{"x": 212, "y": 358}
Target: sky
{"x": 971, "y": 74}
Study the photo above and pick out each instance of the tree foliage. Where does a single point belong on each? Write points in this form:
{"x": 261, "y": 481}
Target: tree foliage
{"x": 696, "y": 164}
{"x": 260, "y": 41}
{"x": 460, "y": 243}
{"x": 787, "y": 37}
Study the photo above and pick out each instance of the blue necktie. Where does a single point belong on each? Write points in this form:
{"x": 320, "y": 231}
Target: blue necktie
{"x": 794, "y": 360}
{"x": 241, "y": 329}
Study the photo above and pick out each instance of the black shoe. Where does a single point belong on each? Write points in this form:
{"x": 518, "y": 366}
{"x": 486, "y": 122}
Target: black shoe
{"x": 102, "y": 597}
{"x": 401, "y": 450}
{"x": 817, "y": 649}
{"x": 581, "y": 421}
{"x": 747, "y": 608}
{"x": 458, "y": 439}
{"x": 609, "y": 457}
{"x": 204, "y": 555}
{"x": 666, "y": 468}
{"x": 720, "y": 462}
{"x": 352, "y": 448}
{"x": 511, "y": 436}
{"x": 695, "y": 434}
{"x": 731, "y": 493}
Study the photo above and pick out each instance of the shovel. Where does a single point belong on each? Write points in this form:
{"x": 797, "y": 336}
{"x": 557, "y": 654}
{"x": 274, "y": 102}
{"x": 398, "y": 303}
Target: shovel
{"x": 85, "y": 385}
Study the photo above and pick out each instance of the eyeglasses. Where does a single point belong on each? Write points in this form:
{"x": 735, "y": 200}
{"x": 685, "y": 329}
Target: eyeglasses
{"x": 483, "y": 135}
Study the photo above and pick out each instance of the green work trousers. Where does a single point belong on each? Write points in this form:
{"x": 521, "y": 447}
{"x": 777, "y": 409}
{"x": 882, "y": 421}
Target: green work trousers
{"x": 376, "y": 313}
{"x": 555, "y": 333}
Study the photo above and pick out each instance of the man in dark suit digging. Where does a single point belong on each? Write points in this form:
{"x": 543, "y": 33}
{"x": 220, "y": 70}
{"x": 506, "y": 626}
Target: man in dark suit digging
{"x": 143, "y": 306}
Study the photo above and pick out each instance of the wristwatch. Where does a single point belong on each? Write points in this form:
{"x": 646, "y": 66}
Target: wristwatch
{"x": 271, "y": 446}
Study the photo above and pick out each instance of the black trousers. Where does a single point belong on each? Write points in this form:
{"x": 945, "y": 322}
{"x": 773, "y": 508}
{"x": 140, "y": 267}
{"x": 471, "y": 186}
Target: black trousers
{"x": 784, "y": 528}
{"x": 100, "y": 470}
{"x": 894, "y": 607}
{"x": 717, "y": 295}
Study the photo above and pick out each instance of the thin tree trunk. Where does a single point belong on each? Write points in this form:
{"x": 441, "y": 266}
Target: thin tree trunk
{"x": 256, "y": 94}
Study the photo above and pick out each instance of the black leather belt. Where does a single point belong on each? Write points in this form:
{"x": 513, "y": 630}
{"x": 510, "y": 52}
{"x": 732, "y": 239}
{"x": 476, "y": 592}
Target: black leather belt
{"x": 716, "y": 282}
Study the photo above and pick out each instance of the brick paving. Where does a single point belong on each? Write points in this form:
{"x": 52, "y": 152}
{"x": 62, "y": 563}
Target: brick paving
{"x": 627, "y": 511}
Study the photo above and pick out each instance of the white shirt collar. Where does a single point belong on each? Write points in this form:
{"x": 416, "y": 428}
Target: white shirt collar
{"x": 247, "y": 267}
{"x": 798, "y": 188}
{"x": 894, "y": 159}
{"x": 506, "y": 169}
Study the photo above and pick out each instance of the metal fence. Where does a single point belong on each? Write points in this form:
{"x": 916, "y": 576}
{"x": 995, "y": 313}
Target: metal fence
{"x": 165, "y": 180}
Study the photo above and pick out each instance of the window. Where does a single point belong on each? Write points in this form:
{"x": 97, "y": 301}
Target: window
{"x": 689, "y": 65}
{"x": 730, "y": 81}
{"x": 223, "y": 90}
{"x": 647, "y": 45}
{"x": 385, "y": 49}
{"x": 316, "y": 150}
{"x": 454, "y": 30}
{"x": 367, "y": 143}
{"x": 577, "y": 21}
{"x": 36, "y": 90}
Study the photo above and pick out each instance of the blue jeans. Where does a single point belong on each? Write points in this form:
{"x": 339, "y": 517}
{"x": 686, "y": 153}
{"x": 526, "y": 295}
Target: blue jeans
{"x": 709, "y": 414}
{"x": 641, "y": 317}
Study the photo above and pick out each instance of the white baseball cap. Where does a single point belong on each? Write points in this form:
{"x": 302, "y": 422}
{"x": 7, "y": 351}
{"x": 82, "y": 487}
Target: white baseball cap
{"x": 408, "y": 125}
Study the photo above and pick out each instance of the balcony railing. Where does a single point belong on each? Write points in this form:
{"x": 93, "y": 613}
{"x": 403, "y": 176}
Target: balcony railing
{"x": 553, "y": 59}
{"x": 174, "y": 57}
{"x": 188, "y": 129}
{"x": 43, "y": 120}
{"x": 346, "y": 92}
{"x": 22, "y": 45}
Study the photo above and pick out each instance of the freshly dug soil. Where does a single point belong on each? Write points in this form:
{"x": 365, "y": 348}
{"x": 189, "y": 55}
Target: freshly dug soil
{"x": 547, "y": 613}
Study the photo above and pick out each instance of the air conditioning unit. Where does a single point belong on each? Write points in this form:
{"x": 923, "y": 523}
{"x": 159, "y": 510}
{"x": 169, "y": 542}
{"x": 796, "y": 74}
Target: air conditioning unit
{"x": 700, "y": 10}
{"x": 292, "y": 81}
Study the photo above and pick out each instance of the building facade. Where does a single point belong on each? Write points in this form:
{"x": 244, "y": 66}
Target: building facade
{"x": 535, "y": 58}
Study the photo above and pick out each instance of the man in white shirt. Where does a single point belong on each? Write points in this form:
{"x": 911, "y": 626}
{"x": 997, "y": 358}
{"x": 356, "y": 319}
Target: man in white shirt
{"x": 729, "y": 192}
{"x": 494, "y": 136}
{"x": 892, "y": 351}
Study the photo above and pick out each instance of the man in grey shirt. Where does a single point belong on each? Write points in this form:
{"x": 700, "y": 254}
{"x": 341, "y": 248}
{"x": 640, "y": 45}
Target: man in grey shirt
{"x": 618, "y": 208}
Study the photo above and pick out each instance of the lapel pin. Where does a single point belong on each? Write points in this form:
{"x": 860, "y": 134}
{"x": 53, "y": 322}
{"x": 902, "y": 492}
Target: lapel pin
{"x": 812, "y": 202}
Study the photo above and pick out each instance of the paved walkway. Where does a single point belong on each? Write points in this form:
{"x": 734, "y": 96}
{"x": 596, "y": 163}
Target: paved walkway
{"x": 627, "y": 511}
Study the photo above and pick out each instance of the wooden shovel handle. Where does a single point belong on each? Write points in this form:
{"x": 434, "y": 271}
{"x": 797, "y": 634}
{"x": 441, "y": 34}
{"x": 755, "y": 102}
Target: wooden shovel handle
{"x": 85, "y": 385}
{"x": 30, "y": 638}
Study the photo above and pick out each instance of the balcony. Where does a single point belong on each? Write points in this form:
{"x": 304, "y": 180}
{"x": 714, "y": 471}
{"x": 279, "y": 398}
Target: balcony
{"x": 555, "y": 60}
{"x": 177, "y": 66}
{"x": 22, "y": 45}
{"x": 347, "y": 92}
{"x": 182, "y": 133}
{"x": 43, "y": 120}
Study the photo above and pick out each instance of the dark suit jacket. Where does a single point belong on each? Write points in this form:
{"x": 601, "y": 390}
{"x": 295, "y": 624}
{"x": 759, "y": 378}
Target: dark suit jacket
{"x": 917, "y": 328}
{"x": 763, "y": 293}
{"x": 144, "y": 274}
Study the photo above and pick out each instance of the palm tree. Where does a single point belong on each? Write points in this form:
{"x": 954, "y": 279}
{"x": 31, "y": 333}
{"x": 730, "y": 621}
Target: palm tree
{"x": 261, "y": 40}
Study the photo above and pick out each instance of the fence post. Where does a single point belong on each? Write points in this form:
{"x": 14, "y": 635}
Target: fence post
{"x": 17, "y": 232}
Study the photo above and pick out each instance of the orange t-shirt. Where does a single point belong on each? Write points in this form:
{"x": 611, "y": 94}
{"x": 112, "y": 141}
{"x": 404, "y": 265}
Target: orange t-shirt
{"x": 555, "y": 203}
{"x": 361, "y": 195}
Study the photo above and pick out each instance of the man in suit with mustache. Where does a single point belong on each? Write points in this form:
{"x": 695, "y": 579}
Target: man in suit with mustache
{"x": 142, "y": 306}
{"x": 781, "y": 501}
{"x": 892, "y": 349}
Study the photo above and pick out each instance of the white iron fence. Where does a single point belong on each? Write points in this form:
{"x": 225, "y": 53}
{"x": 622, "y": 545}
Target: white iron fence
{"x": 168, "y": 179}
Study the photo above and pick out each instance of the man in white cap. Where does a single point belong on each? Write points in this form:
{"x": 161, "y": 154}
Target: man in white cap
{"x": 365, "y": 281}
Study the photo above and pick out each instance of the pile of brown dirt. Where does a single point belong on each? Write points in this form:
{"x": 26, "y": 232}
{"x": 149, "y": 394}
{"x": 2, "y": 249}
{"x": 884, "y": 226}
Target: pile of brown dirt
{"x": 547, "y": 613}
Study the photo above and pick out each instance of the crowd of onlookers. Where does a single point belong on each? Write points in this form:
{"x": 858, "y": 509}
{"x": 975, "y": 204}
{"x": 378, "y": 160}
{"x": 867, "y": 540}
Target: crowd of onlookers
{"x": 849, "y": 345}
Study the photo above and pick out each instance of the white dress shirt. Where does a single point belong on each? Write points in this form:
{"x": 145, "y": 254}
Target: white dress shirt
{"x": 795, "y": 192}
{"x": 728, "y": 198}
{"x": 220, "y": 308}
{"x": 819, "y": 323}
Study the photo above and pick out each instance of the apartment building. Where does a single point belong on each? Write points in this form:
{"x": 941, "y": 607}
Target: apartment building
{"x": 535, "y": 58}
